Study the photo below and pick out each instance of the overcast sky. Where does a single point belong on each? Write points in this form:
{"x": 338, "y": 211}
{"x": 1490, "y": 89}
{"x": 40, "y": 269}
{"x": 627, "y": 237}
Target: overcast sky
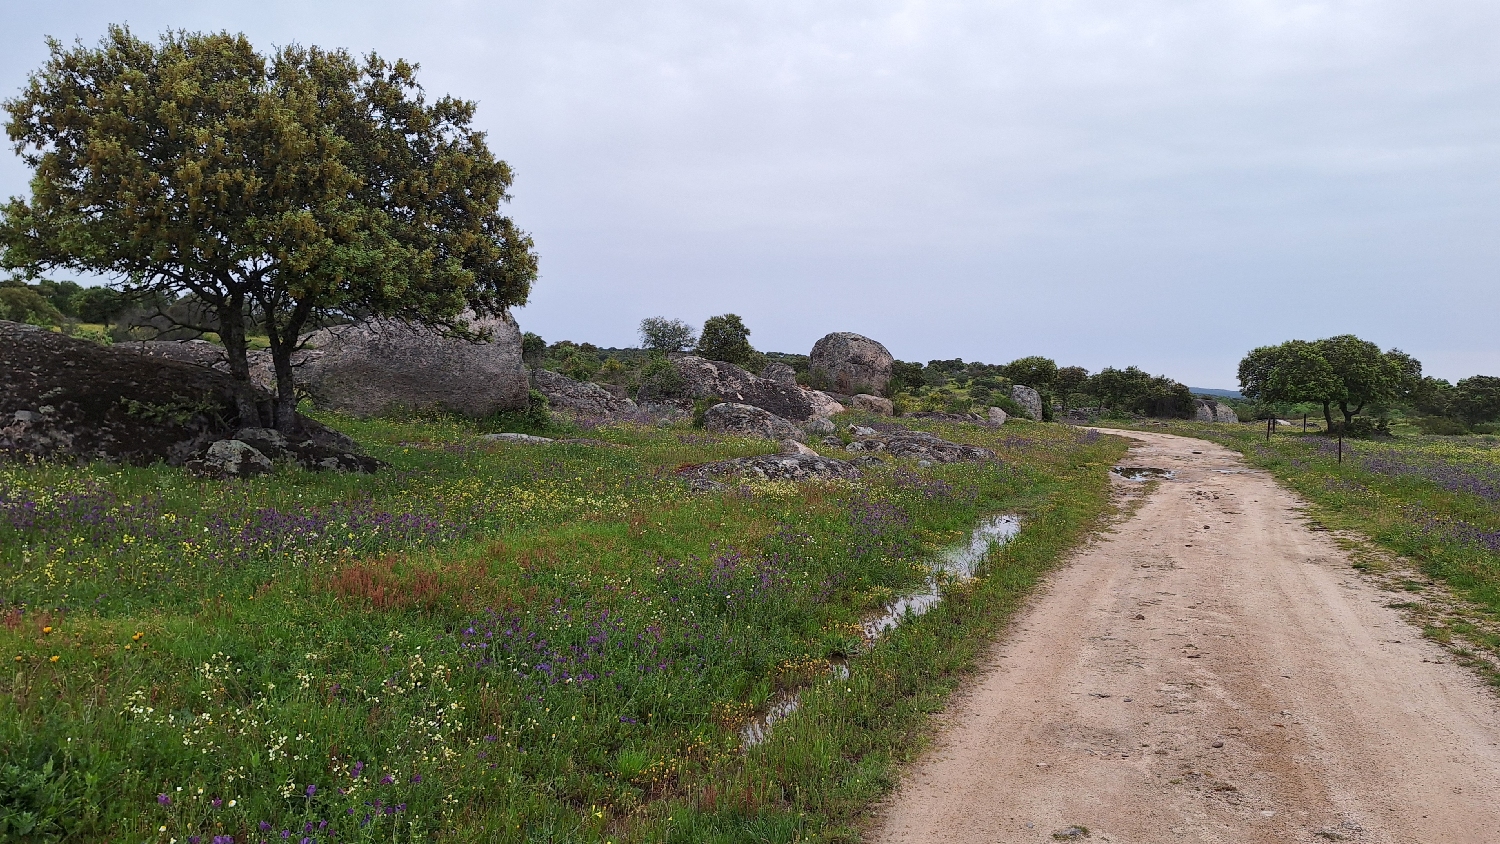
{"x": 1165, "y": 183}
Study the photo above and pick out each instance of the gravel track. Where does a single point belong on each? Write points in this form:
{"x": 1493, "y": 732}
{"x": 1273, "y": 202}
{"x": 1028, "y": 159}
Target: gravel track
{"x": 1209, "y": 670}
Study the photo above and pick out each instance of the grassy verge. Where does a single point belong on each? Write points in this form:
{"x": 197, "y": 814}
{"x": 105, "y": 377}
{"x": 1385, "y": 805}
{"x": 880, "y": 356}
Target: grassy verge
{"x": 493, "y": 642}
{"x": 1433, "y": 500}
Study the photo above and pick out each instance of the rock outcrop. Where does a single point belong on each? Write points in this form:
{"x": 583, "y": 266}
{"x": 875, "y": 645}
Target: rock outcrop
{"x": 716, "y": 379}
{"x": 316, "y": 447}
{"x": 227, "y": 459}
{"x": 915, "y": 445}
{"x": 790, "y": 467}
{"x": 70, "y": 399}
{"x": 873, "y": 404}
{"x": 381, "y": 365}
{"x": 1029, "y": 400}
{"x": 997, "y": 416}
{"x": 780, "y": 373}
{"x": 851, "y": 363}
{"x": 579, "y": 397}
{"x": 1208, "y": 410}
{"x": 745, "y": 420}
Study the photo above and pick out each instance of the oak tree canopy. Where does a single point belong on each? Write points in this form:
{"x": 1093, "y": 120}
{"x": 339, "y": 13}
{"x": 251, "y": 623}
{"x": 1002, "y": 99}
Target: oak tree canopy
{"x": 281, "y": 191}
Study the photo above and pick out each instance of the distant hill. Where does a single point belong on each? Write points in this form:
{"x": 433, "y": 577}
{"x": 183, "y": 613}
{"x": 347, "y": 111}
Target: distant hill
{"x": 1207, "y": 391}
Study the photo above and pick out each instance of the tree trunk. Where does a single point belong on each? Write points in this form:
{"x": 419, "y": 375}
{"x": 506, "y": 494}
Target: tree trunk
{"x": 283, "y": 340}
{"x": 1327, "y": 417}
{"x": 1349, "y": 414}
{"x": 232, "y": 335}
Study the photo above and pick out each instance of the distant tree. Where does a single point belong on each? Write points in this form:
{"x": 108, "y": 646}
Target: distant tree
{"x": 533, "y": 349}
{"x": 1294, "y": 371}
{"x": 1342, "y": 371}
{"x": 660, "y": 334}
{"x": 280, "y": 190}
{"x": 904, "y": 376}
{"x": 1134, "y": 390}
{"x": 1036, "y": 372}
{"x": 60, "y": 294}
{"x": 99, "y": 305}
{"x": 726, "y": 338}
{"x": 1477, "y": 399}
{"x": 1069, "y": 380}
{"x": 19, "y": 302}
{"x": 1433, "y": 396}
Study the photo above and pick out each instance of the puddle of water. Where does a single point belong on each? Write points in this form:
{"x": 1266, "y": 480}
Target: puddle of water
{"x": 1143, "y": 473}
{"x": 759, "y": 729}
{"x": 955, "y": 563}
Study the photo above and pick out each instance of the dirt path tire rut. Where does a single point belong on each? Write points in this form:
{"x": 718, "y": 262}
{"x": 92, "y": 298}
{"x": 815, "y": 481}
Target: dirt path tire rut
{"x": 1210, "y": 670}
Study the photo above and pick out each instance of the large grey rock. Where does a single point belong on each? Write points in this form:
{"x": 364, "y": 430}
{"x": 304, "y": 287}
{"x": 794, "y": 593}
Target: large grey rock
{"x": 780, "y": 373}
{"x": 1029, "y": 400}
{"x": 823, "y": 404}
{"x": 231, "y": 459}
{"x": 1208, "y": 410}
{"x": 580, "y": 397}
{"x": 526, "y": 439}
{"x": 381, "y": 365}
{"x": 818, "y": 426}
{"x": 76, "y": 400}
{"x": 745, "y": 420}
{"x": 727, "y": 382}
{"x": 851, "y": 363}
{"x": 794, "y": 447}
{"x": 791, "y": 467}
{"x": 873, "y": 404}
{"x": 915, "y": 445}
{"x": 199, "y": 352}
{"x": 212, "y": 356}
{"x": 315, "y": 447}
{"x": 71, "y": 399}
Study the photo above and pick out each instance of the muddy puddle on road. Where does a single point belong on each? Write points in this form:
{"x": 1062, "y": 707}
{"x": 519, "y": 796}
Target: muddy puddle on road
{"x": 955, "y": 564}
{"x": 1142, "y": 474}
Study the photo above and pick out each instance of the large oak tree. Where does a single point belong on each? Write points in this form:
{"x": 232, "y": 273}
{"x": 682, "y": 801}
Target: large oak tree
{"x": 1342, "y": 371}
{"x": 282, "y": 191}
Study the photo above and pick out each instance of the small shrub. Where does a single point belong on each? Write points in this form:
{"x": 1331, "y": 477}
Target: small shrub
{"x": 1443, "y": 426}
{"x": 535, "y": 419}
{"x": 661, "y": 380}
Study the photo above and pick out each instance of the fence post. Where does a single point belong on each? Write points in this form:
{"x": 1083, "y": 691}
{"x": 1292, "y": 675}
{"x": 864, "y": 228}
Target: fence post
{"x": 1341, "y": 445}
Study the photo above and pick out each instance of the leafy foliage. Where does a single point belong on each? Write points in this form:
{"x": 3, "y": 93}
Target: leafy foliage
{"x": 19, "y": 303}
{"x": 1344, "y": 371}
{"x": 1133, "y": 390}
{"x": 282, "y": 189}
{"x": 493, "y": 641}
{"x": 726, "y": 338}
{"x": 660, "y": 334}
{"x": 1477, "y": 399}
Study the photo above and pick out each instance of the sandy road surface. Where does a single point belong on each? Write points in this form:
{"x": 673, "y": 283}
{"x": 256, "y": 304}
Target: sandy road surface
{"x": 1210, "y": 670}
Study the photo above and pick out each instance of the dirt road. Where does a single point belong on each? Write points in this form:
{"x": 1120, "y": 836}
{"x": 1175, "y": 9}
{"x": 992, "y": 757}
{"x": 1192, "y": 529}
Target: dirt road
{"x": 1210, "y": 670}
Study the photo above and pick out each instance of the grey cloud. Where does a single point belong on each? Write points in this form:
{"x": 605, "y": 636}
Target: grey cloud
{"x": 1160, "y": 183}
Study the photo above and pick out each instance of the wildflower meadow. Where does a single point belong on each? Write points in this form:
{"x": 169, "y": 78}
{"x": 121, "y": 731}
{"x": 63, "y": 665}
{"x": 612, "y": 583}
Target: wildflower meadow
{"x": 496, "y": 642}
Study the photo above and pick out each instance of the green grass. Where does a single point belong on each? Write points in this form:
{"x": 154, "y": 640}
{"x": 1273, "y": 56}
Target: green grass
{"x": 1432, "y": 499}
{"x": 494, "y": 642}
